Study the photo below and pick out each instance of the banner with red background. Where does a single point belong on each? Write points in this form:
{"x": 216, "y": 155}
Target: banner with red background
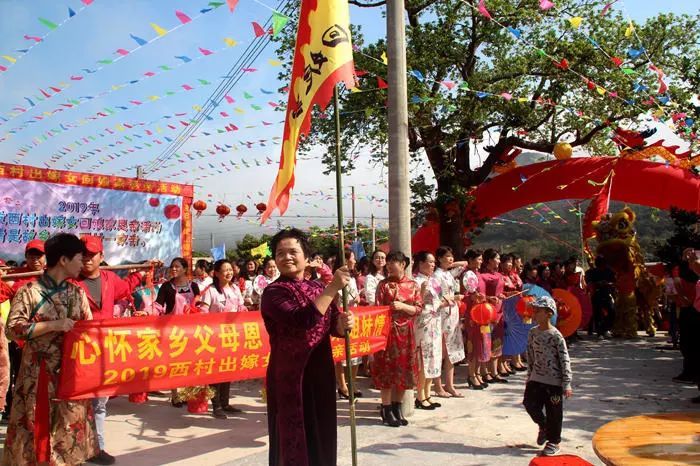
{"x": 141, "y": 354}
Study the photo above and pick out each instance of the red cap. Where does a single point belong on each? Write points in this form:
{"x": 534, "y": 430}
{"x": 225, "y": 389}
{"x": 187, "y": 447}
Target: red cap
{"x": 35, "y": 244}
{"x": 93, "y": 244}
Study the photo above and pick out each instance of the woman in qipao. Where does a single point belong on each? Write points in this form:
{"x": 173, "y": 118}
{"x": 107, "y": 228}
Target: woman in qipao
{"x": 478, "y": 336}
{"x": 428, "y": 329}
{"x": 42, "y": 428}
{"x": 494, "y": 293}
{"x": 300, "y": 316}
{"x": 453, "y": 344}
{"x": 395, "y": 369}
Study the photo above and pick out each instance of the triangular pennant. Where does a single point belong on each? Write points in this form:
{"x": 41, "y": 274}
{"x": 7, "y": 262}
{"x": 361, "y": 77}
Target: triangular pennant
{"x": 258, "y": 30}
{"x": 159, "y": 30}
{"x": 279, "y": 21}
{"x": 184, "y": 19}
{"x": 48, "y": 23}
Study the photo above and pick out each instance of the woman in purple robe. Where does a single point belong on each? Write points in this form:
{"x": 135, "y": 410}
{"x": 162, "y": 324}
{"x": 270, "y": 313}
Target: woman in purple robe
{"x": 300, "y": 317}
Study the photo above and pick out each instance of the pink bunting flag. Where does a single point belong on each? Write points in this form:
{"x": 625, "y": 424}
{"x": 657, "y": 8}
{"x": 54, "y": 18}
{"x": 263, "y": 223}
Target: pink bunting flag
{"x": 3, "y": 68}
{"x": 55, "y": 89}
{"x": 546, "y": 5}
{"x": 381, "y": 83}
{"x": 184, "y": 123}
{"x": 223, "y": 114}
{"x": 35, "y": 39}
{"x": 76, "y": 78}
{"x": 229, "y": 99}
{"x": 187, "y": 87}
{"x": 482, "y": 9}
{"x": 506, "y": 96}
{"x": 448, "y": 84}
{"x": 87, "y": 2}
{"x": 273, "y": 104}
{"x": 135, "y": 102}
{"x": 265, "y": 123}
{"x": 659, "y": 76}
{"x": 249, "y": 70}
{"x": 205, "y": 52}
{"x": 149, "y": 132}
{"x": 46, "y": 94}
{"x": 122, "y": 52}
{"x": 258, "y": 30}
{"x": 607, "y": 7}
{"x": 232, "y": 4}
{"x": 184, "y": 19}
{"x": 149, "y": 73}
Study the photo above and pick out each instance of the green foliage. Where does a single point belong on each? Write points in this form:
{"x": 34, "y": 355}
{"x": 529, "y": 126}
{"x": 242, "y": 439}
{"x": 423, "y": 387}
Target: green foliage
{"x": 458, "y": 52}
{"x": 685, "y": 234}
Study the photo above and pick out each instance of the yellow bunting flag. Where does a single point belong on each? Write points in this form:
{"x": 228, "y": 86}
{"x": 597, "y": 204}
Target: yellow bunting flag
{"x": 322, "y": 58}
{"x": 9, "y": 58}
{"x": 263, "y": 251}
{"x": 630, "y": 30}
{"x": 274, "y": 62}
{"x": 159, "y": 30}
{"x": 385, "y": 60}
{"x": 575, "y": 22}
{"x": 230, "y": 42}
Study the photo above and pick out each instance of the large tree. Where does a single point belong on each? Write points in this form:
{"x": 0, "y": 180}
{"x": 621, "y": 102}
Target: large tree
{"x": 472, "y": 78}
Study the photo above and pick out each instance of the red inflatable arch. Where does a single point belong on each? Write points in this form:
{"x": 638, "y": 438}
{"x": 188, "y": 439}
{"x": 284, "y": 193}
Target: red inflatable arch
{"x": 636, "y": 182}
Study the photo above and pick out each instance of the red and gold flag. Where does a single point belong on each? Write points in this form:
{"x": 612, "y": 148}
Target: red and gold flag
{"x": 322, "y": 58}
{"x": 599, "y": 206}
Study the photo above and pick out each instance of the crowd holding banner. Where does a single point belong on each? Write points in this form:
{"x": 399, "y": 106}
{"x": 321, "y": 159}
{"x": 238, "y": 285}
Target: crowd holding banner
{"x": 140, "y": 354}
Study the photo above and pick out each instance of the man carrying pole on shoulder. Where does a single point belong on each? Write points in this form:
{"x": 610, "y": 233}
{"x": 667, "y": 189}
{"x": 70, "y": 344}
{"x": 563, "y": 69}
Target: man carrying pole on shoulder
{"x": 103, "y": 289}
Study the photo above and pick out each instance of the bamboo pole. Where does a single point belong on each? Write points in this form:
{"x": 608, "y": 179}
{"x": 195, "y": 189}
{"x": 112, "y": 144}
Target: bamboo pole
{"x": 13, "y": 276}
{"x": 341, "y": 258}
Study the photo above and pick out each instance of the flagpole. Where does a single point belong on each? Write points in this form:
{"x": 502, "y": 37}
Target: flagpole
{"x": 341, "y": 258}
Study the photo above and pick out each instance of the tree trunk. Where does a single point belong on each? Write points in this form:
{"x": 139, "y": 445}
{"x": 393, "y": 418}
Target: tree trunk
{"x": 452, "y": 230}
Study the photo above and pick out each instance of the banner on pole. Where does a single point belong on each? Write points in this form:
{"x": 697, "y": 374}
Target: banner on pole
{"x": 137, "y": 219}
{"x": 140, "y": 354}
{"x": 322, "y": 58}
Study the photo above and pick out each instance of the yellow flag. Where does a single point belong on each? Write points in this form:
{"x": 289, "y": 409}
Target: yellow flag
{"x": 9, "y": 58}
{"x": 263, "y": 251}
{"x": 159, "y": 30}
{"x": 385, "y": 60}
{"x": 322, "y": 58}
{"x": 274, "y": 62}
{"x": 600, "y": 90}
{"x": 230, "y": 42}
{"x": 575, "y": 22}
{"x": 630, "y": 30}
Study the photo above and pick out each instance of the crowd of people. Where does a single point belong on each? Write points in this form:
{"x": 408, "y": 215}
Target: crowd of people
{"x": 431, "y": 329}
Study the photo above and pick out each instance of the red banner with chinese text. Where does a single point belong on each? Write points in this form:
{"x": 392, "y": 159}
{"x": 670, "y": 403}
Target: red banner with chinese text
{"x": 140, "y": 354}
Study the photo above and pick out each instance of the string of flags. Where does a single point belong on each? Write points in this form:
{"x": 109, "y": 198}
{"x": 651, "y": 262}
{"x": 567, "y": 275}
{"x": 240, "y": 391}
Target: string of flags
{"x": 10, "y": 58}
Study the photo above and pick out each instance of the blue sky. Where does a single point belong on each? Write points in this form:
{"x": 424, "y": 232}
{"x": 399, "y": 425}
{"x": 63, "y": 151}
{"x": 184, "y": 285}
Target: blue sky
{"x": 96, "y": 33}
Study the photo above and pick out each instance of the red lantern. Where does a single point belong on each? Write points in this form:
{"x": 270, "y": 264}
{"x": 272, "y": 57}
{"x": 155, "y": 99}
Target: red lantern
{"x": 482, "y": 314}
{"x": 524, "y": 309}
{"x": 154, "y": 202}
{"x": 222, "y": 210}
{"x": 171, "y": 211}
{"x": 261, "y": 206}
{"x": 241, "y": 209}
{"x": 199, "y": 206}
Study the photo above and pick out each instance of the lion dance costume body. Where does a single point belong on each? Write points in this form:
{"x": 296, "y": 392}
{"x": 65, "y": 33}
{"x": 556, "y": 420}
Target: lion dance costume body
{"x": 637, "y": 290}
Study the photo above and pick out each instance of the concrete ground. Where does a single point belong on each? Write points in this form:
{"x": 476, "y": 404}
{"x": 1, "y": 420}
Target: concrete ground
{"x": 612, "y": 379}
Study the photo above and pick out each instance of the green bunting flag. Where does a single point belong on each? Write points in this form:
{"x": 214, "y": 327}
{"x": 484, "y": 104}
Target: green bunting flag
{"x": 279, "y": 21}
{"x": 48, "y": 23}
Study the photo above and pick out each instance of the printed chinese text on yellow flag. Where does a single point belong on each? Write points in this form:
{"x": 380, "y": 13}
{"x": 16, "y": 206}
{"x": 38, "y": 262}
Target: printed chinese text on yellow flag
{"x": 322, "y": 58}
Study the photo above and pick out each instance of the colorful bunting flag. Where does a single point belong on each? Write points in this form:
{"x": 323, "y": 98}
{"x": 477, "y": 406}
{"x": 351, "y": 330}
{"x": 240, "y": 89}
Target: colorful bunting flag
{"x": 138, "y": 40}
{"x": 230, "y": 42}
{"x": 205, "y": 52}
{"x": 546, "y": 5}
{"x": 258, "y": 30}
{"x": 159, "y": 30}
{"x": 184, "y": 19}
{"x": 575, "y": 22}
{"x": 48, "y": 23}
{"x": 279, "y": 21}
{"x": 482, "y": 9}
{"x": 231, "y": 4}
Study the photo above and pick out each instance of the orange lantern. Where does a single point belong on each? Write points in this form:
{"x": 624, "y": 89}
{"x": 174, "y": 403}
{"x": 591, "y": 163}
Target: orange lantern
{"x": 261, "y": 206}
{"x": 199, "y": 206}
{"x": 482, "y": 314}
{"x": 524, "y": 309}
{"x": 563, "y": 150}
{"x": 222, "y": 210}
{"x": 241, "y": 209}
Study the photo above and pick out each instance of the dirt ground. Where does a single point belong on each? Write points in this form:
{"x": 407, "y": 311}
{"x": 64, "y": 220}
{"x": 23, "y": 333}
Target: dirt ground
{"x": 612, "y": 379}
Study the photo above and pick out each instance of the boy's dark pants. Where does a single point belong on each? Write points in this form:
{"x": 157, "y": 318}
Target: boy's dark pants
{"x": 540, "y": 395}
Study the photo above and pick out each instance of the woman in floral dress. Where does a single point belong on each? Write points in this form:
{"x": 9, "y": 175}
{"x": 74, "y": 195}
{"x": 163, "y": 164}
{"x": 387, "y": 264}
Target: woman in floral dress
{"x": 42, "y": 429}
{"x": 428, "y": 329}
{"x": 453, "y": 344}
{"x": 395, "y": 369}
{"x": 353, "y": 295}
{"x": 269, "y": 274}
